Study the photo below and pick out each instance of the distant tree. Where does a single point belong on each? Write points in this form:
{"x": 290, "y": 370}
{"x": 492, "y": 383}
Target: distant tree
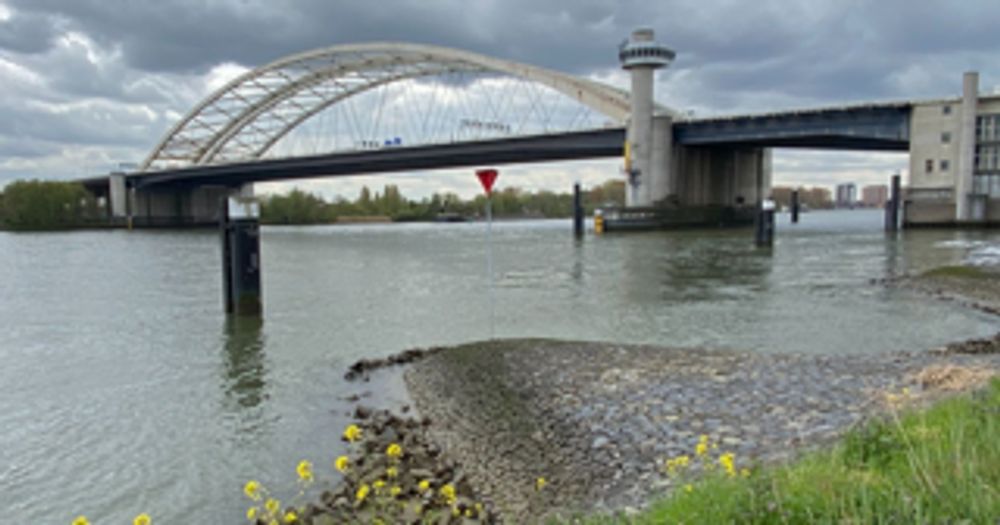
{"x": 39, "y": 205}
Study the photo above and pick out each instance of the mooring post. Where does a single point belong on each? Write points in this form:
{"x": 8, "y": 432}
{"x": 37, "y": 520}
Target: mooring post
{"x": 795, "y": 206}
{"x": 240, "y": 221}
{"x": 764, "y": 224}
{"x": 892, "y": 205}
{"x": 577, "y": 211}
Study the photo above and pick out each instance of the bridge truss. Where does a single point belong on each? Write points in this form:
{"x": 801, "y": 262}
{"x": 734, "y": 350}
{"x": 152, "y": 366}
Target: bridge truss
{"x": 370, "y": 96}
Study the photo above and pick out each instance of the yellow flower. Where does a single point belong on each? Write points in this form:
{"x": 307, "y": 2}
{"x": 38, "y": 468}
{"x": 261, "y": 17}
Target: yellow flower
{"x": 682, "y": 461}
{"x": 291, "y": 517}
{"x": 701, "y": 448}
{"x": 745, "y": 472}
{"x": 352, "y": 433}
{"x": 362, "y": 492}
{"x": 479, "y": 508}
{"x": 424, "y": 485}
{"x": 395, "y": 490}
{"x": 688, "y": 488}
{"x": 455, "y": 512}
{"x": 142, "y": 519}
{"x": 703, "y": 438}
{"x": 272, "y": 505}
{"x": 540, "y": 483}
{"x": 342, "y": 463}
{"x": 81, "y": 520}
{"x": 727, "y": 461}
{"x": 468, "y": 513}
{"x": 379, "y": 485}
{"x": 391, "y": 472}
{"x": 448, "y": 491}
{"x": 394, "y": 450}
{"x": 252, "y": 514}
{"x": 252, "y": 490}
{"x": 305, "y": 470}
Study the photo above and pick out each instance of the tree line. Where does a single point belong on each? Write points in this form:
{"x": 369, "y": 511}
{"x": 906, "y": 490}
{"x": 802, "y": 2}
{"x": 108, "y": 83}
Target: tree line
{"x": 300, "y": 207}
{"x": 46, "y": 205}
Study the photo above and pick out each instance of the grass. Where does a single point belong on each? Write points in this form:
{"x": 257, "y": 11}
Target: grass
{"x": 965, "y": 272}
{"x": 939, "y": 465}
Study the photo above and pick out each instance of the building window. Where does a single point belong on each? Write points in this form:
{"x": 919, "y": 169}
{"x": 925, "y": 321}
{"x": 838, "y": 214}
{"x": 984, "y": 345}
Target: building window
{"x": 946, "y": 137}
{"x": 929, "y": 166}
{"x": 945, "y": 164}
{"x": 946, "y": 110}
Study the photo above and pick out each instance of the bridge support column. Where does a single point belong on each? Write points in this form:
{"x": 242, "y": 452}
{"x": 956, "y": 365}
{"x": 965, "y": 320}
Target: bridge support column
{"x": 117, "y": 196}
{"x": 967, "y": 147}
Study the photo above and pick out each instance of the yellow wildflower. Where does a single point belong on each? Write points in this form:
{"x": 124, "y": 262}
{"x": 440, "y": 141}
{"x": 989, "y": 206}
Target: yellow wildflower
{"x": 142, "y": 519}
{"x": 291, "y": 517}
{"x": 448, "y": 491}
{"x": 362, "y": 492}
{"x": 272, "y": 505}
{"x": 379, "y": 484}
{"x": 745, "y": 472}
{"x": 305, "y": 470}
{"x": 395, "y": 490}
{"x": 479, "y": 508}
{"x": 682, "y": 461}
{"x": 455, "y": 512}
{"x": 342, "y": 463}
{"x": 352, "y": 433}
{"x": 394, "y": 450}
{"x": 391, "y": 472}
{"x": 252, "y": 514}
{"x": 727, "y": 461}
{"x": 540, "y": 483}
{"x": 468, "y": 513}
{"x": 703, "y": 438}
{"x": 252, "y": 490}
{"x": 701, "y": 448}
{"x": 424, "y": 485}
{"x": 688, "y": 488}
{"x": 81, "y": 520}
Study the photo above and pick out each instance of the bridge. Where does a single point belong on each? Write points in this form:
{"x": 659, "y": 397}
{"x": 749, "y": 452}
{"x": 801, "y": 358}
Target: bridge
{"x": 698, "y": 168}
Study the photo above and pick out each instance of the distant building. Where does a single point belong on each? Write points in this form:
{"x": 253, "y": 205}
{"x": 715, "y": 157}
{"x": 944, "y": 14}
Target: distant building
{"x": 874, "y": 196}
{"x": 847, "y": 195}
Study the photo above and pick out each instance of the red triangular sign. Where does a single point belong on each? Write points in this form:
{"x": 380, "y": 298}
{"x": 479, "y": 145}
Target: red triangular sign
{"x": 487, "y": 178}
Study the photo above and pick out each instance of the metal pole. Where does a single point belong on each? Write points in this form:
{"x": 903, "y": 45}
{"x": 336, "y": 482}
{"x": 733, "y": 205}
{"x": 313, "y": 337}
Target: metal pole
{"x": 577, "y": 211}
{"x": 795, "y": 206}
{"x": 489, "y": 260}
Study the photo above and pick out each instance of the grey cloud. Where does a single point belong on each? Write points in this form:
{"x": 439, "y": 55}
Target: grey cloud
{"x": 28, "y": 32}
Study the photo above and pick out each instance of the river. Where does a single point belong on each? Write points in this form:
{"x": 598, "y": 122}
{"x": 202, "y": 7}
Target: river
{"x": 125, "y": 389}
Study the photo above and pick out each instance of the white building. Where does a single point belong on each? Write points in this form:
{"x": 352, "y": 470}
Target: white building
{"x": 954, "y": 165}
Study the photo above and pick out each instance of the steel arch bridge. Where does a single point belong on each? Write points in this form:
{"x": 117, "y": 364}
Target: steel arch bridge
{"x": 244, "y": 119}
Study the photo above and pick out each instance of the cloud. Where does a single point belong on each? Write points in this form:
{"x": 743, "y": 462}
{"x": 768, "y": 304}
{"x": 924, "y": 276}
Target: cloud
{"x": 114, "y": 75}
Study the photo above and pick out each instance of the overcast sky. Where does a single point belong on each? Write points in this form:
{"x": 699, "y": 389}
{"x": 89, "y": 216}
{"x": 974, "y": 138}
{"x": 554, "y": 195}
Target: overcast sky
{"x": 87, "y": 84}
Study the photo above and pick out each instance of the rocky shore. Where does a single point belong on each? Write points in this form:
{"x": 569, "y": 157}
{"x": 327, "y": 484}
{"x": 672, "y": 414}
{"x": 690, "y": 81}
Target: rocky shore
{"x": 527, "y": 429}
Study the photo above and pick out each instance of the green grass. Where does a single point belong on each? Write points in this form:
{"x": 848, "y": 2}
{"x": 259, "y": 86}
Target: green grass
{"x": 965, "y": 272}
{"x": 940, "y": 465}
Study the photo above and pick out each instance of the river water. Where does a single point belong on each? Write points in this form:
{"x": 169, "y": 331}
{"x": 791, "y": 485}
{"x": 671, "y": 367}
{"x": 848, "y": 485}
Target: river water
{"x": 124, "y": 389}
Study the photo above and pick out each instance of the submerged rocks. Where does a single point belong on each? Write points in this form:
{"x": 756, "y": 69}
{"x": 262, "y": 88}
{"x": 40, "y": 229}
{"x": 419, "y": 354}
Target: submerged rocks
{"x": 396, "y": 475}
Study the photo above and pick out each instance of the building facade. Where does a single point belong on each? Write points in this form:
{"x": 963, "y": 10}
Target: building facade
{"x": 954, "y": 164}
{"x": 847, "y": 195}
{"x": 874, "y": 196}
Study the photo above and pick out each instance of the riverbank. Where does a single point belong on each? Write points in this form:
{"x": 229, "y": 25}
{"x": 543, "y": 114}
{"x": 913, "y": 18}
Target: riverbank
{"x": 971, "y": 286}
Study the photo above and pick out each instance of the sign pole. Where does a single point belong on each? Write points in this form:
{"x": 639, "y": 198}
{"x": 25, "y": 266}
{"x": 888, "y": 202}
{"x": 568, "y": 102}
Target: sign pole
{"x": 487, "y": 177}
{"x": 489, "y": 261}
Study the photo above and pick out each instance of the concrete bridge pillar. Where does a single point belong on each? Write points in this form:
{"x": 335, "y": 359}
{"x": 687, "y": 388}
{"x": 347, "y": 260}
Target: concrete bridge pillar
{"x": 117, "y": 196}
{"x": 967, "y": 147}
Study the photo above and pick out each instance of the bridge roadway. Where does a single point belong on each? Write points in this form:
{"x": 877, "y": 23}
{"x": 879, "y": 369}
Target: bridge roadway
{"x": 870, "y": 127}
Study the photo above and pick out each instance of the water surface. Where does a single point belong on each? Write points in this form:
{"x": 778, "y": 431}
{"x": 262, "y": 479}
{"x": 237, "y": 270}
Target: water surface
{"x": 125, "y": 389}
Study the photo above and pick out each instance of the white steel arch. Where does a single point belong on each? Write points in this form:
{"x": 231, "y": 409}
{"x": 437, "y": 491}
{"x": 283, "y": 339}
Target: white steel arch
{"x": 247, "y": 116}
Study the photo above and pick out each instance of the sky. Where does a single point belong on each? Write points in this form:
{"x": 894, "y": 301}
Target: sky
{"x": 88, "y": 84}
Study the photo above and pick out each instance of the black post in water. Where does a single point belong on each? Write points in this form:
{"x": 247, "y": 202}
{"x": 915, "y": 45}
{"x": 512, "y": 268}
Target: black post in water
{"x": 577, "y": 211}
{"x": 795, "y": 206}
{"x": 892, "y": 206}
{"x": 764, "y": 224}
{"x": 227, "y": 272}
{"x": 241, "y": 252}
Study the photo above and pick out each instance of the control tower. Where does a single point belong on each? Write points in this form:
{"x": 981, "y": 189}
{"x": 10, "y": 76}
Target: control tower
{"x": 641, "y": 55}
